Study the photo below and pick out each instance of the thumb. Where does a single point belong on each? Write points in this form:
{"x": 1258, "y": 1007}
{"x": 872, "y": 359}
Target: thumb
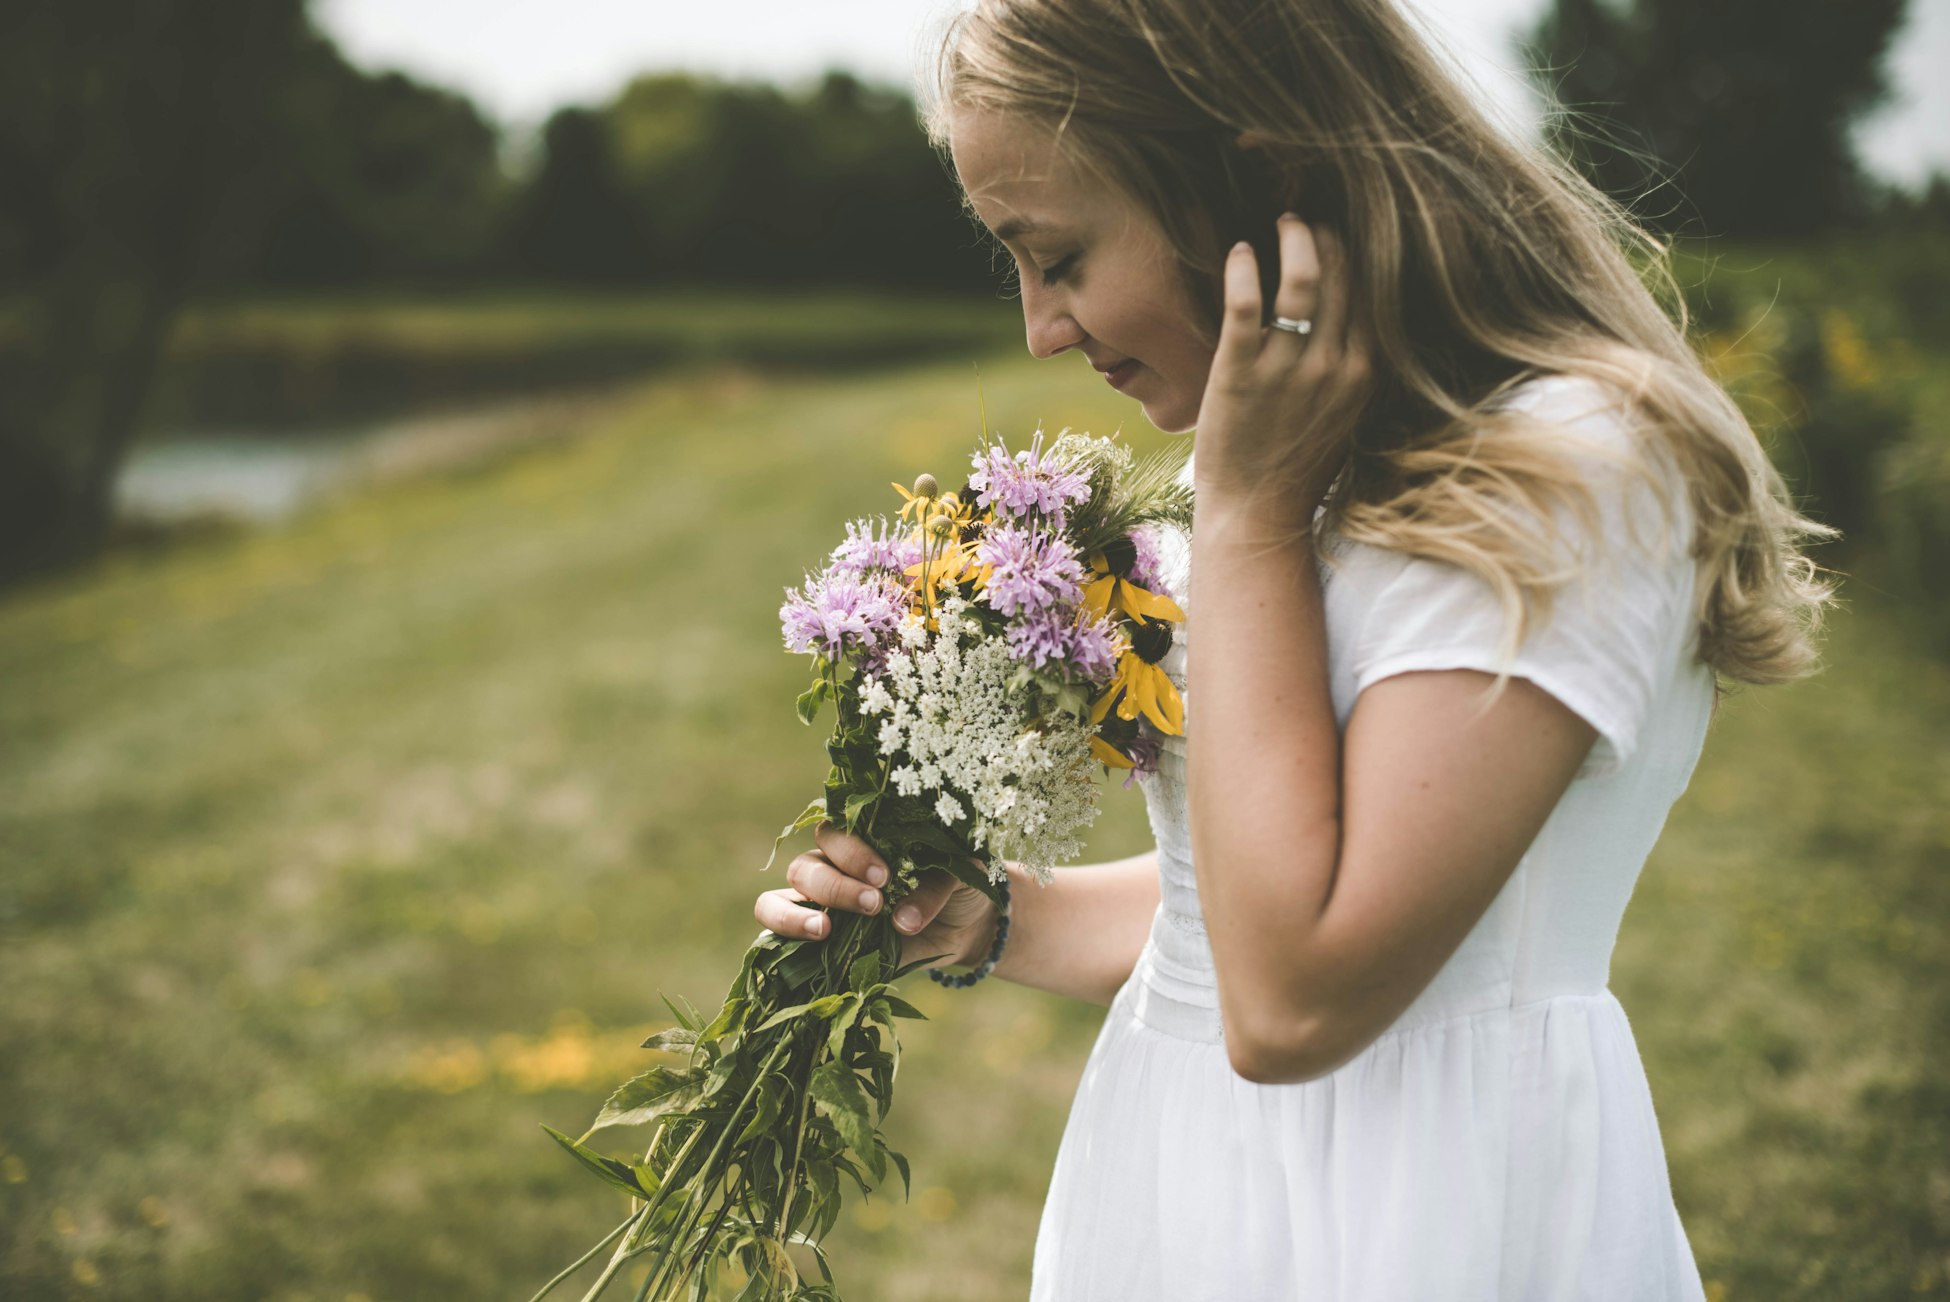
{"x": 925, "y": 901}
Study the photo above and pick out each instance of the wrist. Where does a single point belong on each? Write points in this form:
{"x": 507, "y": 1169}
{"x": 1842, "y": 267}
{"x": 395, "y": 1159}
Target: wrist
{"x": 982, "y": 939}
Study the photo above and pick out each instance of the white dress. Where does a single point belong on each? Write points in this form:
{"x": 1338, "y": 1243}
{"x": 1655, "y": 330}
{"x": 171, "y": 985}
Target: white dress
{"x": 1498, "y": 1142}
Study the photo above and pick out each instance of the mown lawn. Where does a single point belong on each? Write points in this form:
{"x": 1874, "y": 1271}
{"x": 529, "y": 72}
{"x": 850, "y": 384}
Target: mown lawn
{"x": 339, "y": 857}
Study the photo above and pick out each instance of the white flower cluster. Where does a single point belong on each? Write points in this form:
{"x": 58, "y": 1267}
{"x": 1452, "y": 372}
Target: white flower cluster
{"x": 955, "y": 729}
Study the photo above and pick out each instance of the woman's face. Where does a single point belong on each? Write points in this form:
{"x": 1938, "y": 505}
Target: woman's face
{"x": 1098, "y": 275}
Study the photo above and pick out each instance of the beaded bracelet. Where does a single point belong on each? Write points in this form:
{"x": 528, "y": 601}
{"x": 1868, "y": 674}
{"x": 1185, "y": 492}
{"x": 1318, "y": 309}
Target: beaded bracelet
{"x": 966, "y": 979}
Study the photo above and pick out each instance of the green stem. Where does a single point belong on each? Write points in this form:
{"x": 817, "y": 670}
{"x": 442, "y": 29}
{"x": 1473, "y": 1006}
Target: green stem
{"x": 798, "y": 1151}
{"x": 588, "y": 1256}
{"x": 730, "y": 1129}
{"x": 628, "y": 1247}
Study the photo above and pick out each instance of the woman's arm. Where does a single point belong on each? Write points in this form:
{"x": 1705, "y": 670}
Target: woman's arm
{"x": 1080, "y": 935}
{"x": 1336, "y": 877}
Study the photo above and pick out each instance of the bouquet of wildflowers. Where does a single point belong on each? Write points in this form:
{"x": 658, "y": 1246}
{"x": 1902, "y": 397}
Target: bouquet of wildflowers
{"x": 985, "y": 651}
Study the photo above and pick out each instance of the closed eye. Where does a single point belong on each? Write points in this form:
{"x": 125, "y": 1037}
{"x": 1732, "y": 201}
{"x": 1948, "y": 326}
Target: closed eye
{"x": 1058, "y": 269}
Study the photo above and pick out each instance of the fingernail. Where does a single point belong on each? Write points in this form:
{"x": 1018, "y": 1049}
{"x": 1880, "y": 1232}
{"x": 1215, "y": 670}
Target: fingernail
{"x": 817, "y": 926}
{"x": 1289, "y": 216}
{"x": 1244, "y": 246}
{"x": 869, "y": 901}
{"x": 877, "y": 874}
{"x": 907, "y": 919}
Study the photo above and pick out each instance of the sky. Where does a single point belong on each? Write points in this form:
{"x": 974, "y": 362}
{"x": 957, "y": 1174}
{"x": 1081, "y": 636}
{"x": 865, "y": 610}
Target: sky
{"x": 522, "y": 59}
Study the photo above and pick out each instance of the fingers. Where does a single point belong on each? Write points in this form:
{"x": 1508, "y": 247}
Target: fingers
{"x": 1330, "y": 290}
{"x": 818, "y": 880}
{"x": 786, "y": 912}
{"x": 924, "y": 901}
{"x": 850, "y": 854}
{"x": 1298, "y": 296}
{"x": 1239, "y": 329}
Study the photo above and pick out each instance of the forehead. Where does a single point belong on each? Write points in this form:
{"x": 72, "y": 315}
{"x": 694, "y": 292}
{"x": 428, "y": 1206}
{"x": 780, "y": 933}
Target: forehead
{"x": 1016, "y": 176}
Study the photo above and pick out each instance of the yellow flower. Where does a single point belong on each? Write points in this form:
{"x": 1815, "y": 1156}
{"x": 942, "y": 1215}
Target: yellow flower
{"x": 1107, "y": 593}
{"x": 1110, "y": 755}
{"x": 946, "y": 567}
{"x": 1145, "y": 689}
{"x": 918, "y": 500}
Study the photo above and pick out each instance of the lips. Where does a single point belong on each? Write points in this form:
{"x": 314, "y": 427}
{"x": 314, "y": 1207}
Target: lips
{"x": 1120, "y": 375}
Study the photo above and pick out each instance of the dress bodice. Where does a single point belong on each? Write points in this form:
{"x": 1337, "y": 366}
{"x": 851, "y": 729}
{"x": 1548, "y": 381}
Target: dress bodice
{"x": 1552, "y": 927}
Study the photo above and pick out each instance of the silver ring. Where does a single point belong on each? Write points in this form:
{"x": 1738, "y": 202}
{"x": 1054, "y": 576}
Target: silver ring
{"x": 1301, "y": 326}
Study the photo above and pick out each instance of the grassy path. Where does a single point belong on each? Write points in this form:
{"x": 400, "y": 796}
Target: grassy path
{"x": 335, "y": 858}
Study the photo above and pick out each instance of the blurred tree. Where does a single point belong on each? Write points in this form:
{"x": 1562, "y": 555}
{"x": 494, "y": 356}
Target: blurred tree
{"x": 1744, "y": 104}
{"x": 573, "y": 222}
{"x": 385, "y": 179}
{"x": 745, "y": 184}
{"x": 129, "y": 137}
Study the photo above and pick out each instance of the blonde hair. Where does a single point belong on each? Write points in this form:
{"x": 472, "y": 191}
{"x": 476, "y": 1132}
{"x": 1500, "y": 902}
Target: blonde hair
{"x": 1480, "y": 263}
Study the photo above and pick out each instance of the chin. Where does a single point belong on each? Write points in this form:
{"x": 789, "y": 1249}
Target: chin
{"x": 1170, "y": 418}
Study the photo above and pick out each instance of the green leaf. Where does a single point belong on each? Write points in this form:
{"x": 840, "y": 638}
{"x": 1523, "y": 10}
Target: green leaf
{"x": 858, "y": 805}
{"x": 810, "y": 815}
{"x": 837, "y": 1094}
{"x": 808, "y": 703}
{"x": 923, "y": 961}
{"x": 687, "y": 1017}
{"x": 876, "y": 1155}
{"x": 901, "y": 1008}
{"x": 855, "y": 1173}
{"x": 647, "y": 1097}
{"x": 832, "y": 1005}
{"x": 783, "y": 1016}
{"x": 607, "y": 1169}
{"x": 900, "y": 1163}
{"x": 819, "y": 1009}
{"x": 672, "y": 1039}
{"x": 730, "y": 1018}
{"x": 798, "y": 968}
{"x": 865, "y": 972}
{"x": 766, "y": 1114}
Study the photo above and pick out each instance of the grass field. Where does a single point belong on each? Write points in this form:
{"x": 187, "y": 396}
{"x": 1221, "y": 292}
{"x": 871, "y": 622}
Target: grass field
{"x": 337, "y": 858}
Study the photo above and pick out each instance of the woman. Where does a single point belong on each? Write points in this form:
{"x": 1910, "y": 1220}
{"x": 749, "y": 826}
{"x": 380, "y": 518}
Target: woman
{"x": 1478, "y": 546}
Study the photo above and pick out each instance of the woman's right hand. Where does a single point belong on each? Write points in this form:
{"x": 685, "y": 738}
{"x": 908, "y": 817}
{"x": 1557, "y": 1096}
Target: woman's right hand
{"x": 940, "y": 916}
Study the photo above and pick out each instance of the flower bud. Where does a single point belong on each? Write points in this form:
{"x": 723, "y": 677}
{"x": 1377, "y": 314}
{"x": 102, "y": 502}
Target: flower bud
{"x": 941, "y": 526}
{"x": 950, "y": 503}
{"x": 926, "y": 486}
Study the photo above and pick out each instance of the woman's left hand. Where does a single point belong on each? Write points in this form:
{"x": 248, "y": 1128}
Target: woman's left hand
{"x": 1280, "y": 408}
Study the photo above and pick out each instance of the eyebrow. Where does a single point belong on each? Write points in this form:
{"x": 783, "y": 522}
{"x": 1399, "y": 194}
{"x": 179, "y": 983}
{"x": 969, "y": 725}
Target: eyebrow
{"x": 1017, "y": 227}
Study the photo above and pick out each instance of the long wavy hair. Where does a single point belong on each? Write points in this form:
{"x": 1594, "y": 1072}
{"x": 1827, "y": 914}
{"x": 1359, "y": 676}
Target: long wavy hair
{"x": 1478, "y": 262}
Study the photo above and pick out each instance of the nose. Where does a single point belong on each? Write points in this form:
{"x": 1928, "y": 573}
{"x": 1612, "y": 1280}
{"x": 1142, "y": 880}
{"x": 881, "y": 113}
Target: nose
{"x": 1047, "y": 325}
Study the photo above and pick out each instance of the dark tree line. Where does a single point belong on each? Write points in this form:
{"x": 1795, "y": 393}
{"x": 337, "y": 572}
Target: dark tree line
{"x": 153, "y": 152}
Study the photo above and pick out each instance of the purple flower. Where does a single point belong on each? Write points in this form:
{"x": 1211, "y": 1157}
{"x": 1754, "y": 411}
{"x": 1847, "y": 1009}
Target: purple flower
{"x": 1055, "y": 637}
{"x": 1144, "y": 752}
{"x": 1147, "y": 570}
{"x": 1028, "y": 483}
{"x": 836, "y": 613}
{"x": 1033, "y": 572}
{"x": 867, "y": 548}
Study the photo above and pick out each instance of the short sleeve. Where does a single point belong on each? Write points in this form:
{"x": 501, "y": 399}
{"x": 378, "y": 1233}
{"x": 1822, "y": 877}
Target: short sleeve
{"x": 1608, "y": 644}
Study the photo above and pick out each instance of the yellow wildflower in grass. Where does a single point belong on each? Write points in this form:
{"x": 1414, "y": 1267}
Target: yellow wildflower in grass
{"x": 1847, "y": 353}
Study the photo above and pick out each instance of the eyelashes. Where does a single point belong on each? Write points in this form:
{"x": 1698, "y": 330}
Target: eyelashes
{"x": 1057, "y": 270}
{"x": 1012, "y": 270}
